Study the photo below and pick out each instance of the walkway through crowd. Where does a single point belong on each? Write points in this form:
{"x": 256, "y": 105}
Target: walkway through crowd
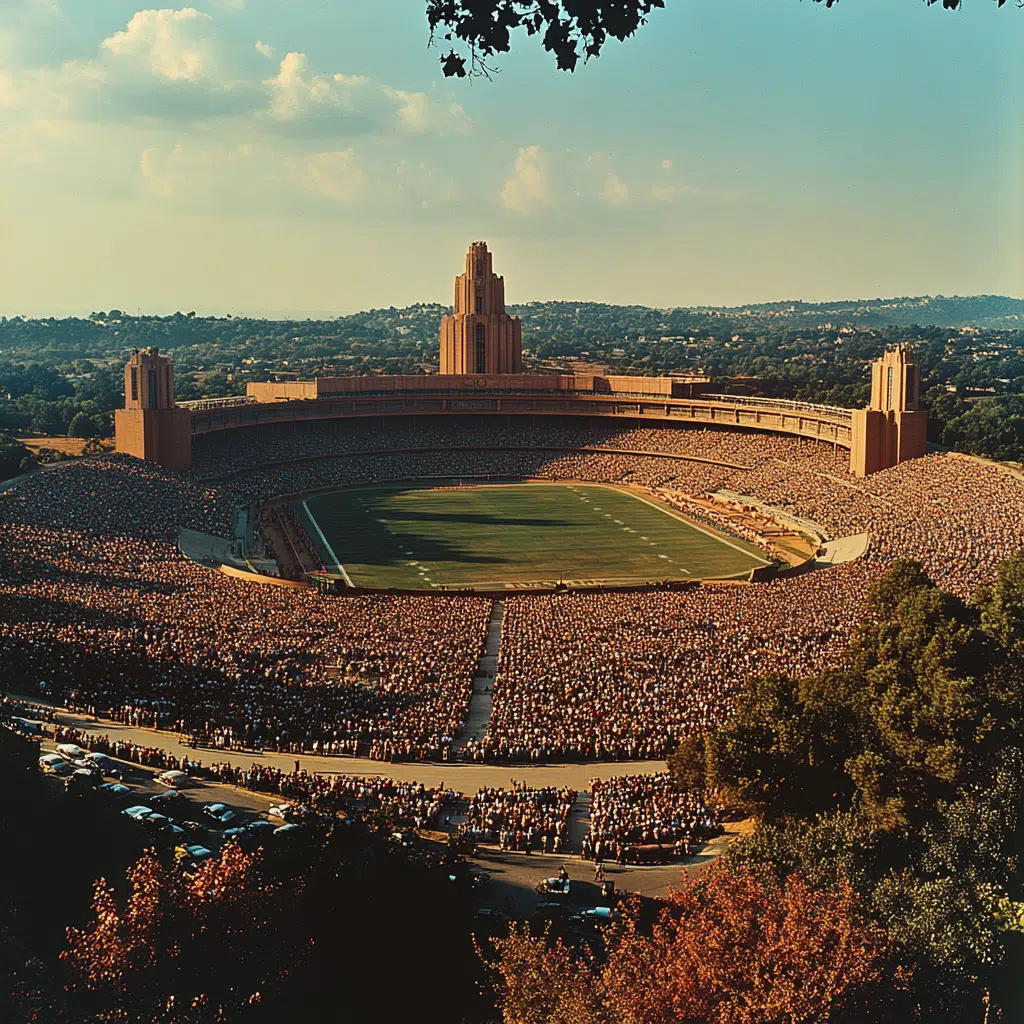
{"x": 483, "y": 682}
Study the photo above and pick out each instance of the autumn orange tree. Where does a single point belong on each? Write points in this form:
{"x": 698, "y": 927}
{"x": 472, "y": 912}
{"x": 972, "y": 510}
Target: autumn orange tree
{"x": 179, "y": 948}
{"x": 737, "y": 946}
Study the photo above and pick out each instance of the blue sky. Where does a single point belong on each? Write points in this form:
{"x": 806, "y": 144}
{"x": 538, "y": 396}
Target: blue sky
{"x": 292, "y": 156}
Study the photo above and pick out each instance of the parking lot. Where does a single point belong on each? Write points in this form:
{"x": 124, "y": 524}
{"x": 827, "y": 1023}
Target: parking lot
{"x": 183, "y": 806}
{"x": 511, "y": 877}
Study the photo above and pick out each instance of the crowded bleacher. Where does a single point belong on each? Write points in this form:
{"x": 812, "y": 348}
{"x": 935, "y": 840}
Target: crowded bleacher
{"x": 102, "y": 611}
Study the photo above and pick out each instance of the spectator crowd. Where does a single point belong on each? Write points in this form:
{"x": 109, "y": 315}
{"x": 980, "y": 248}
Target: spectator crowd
{"x": 99, "y": 609}
{"x": 522, "y": 818}
{"x": 630, "y": 814}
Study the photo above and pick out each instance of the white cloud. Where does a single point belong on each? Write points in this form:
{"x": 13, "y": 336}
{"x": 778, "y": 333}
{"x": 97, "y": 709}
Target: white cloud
{"x": 296, "y": 92}
{"x": 335, "y": 176}
{"x": 172, "y": 66}
{"x": 530, "y": 185}
{"x": 189, "y": 172}
{"x": 615, "y": 191}
{"x": 303, "y": 101}
{"x": 176, "y": 45}
{"x": 418, "y": 113}
{"x": 666, "y": 165}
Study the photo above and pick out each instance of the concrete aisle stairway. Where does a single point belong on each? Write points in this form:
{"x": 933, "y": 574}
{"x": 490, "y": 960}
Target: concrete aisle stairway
{"x": 483, "y": 681}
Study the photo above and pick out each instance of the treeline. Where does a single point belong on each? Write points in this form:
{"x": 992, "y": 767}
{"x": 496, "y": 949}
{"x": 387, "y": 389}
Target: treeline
{"x": 64, "y": 376}
{"x": 75, "y": 399}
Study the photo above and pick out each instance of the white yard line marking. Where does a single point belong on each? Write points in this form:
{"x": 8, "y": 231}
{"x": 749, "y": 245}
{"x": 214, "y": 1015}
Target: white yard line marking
{"x": 708, "y": 533}
{"x": 327, "y": 547}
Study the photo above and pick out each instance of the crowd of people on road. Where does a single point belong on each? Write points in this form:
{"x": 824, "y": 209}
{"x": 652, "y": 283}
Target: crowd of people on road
{"x": 524, "y": 818}
{"x": 629, "y": 814}
{"x": 99, "y": 608}
{"x": 414, "y": 805}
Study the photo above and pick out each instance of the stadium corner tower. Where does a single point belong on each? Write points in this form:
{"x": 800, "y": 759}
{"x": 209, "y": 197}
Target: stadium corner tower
{"x": 480, "y": 337}
{"x": 481, "y": 374}
{"x": 151, "y": 426}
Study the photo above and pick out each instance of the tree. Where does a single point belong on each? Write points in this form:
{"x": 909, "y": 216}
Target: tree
{"x": 160, "y": 956}
{"x": 896, "y": 773}
{"x": 570, "y": 29}
{"x": 82, "y": 425}
{"x": 15, "y": 458}
{"x": 52, "y": 887}
{"x": 737, "y": 946}
{"x": 539, "y": 983}
{"x": 1002, "y": 606}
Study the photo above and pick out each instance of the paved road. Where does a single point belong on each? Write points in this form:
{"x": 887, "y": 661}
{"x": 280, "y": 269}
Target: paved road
{"x": 459, "y": 775}
{"x": 513, "y": 875}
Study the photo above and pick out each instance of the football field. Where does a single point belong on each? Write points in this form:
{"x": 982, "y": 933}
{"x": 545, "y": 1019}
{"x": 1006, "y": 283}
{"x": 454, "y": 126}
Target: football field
{"x": 501, "y": 535}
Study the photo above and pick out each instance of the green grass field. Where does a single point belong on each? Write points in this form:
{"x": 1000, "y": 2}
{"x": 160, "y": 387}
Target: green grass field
{"x": 506, "y": 534}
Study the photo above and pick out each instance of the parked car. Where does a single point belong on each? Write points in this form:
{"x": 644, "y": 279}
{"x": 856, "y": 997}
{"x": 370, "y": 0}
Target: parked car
{"x": 167, "y": 798}
{"x": 220, "y": 813}
{"x": 70, "y": 751}
{"x": 138, "y": 813}
{"x": 81, "y": 780}
{"x": 54, "y": 764}
{"x": 260, "y": 827}
{"x": 173, "y": 778}
{"x": 491, "y": 914}
{"x": 592, "y": 916}
{"x": 490, "y": 921}
{"x": 106, "y": 764}
{"x": 170, "y": 834}
{"x": 27, "y": 726}
{"x": 190, "y": 828}
{"x": 252, "y": 834}
{"x": 190, "y": 856}
{"x": 287, "y": 831}
{"x": 546, "y": 911}
{"x": 116, "y": 791}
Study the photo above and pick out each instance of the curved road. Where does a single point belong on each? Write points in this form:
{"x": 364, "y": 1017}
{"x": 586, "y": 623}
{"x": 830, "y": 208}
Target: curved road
{"x": 459, "y": 775}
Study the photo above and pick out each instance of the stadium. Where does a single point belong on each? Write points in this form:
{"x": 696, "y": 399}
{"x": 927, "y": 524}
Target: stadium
{"x": 325, "y": 567}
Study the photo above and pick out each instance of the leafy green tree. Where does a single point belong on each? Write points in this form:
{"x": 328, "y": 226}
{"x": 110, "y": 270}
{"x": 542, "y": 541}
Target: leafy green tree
{"x": 897, "y": 773}
{"x": 82, "y": 425}
{"x": 15, "y": 458}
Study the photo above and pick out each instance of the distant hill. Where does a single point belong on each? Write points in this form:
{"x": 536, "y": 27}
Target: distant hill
{"x": 994, "y": 312}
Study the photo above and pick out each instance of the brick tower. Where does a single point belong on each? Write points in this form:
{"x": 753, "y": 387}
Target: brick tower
{"x": 481, "y": 337}
{"x": 150, "y": 426}
{"x": 891, "y": 429}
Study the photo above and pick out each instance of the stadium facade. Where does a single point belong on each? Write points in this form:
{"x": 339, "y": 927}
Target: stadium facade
{"x": 480, "y": 334}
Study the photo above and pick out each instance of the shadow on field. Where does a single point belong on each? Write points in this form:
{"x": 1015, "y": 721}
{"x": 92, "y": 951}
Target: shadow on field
{"x": 480, "y": 519}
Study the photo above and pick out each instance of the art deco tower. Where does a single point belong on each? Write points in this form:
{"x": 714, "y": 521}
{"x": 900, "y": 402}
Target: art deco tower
{"x": 151, "y": 426}
{"x": 892, "y": 429}
{"x": 481, "y": 337}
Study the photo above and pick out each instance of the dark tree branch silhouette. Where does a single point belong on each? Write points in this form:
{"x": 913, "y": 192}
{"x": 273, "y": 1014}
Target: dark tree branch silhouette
{"x": 570, "y": 29}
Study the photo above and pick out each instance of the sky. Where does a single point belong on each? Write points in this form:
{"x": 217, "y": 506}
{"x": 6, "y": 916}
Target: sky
{"x": 307, "y": 157}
